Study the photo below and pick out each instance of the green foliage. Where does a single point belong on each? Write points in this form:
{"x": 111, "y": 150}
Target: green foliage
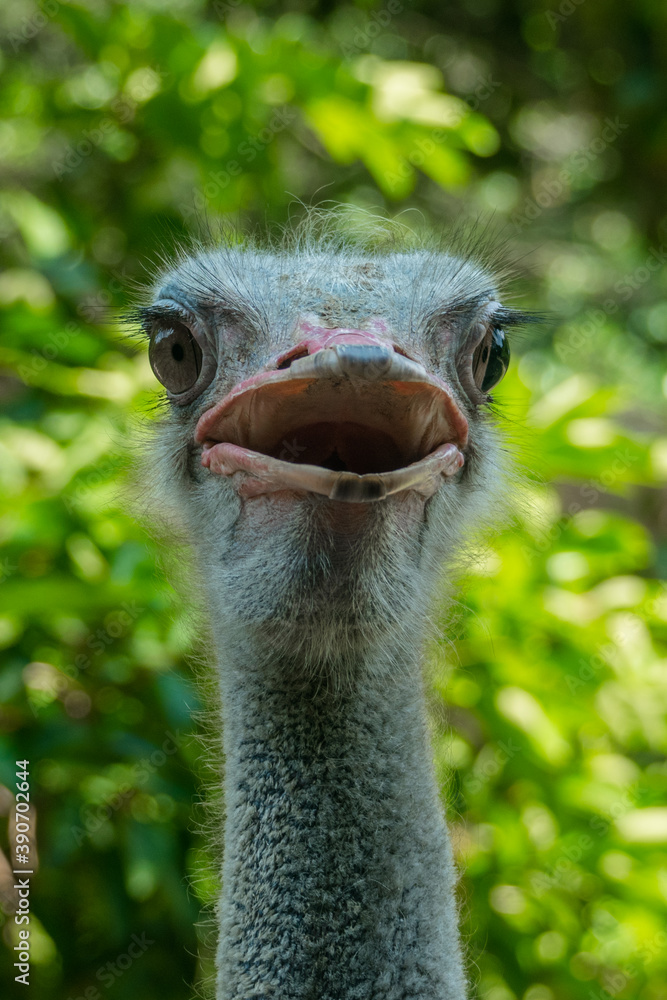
{"x": 126, "y": 126}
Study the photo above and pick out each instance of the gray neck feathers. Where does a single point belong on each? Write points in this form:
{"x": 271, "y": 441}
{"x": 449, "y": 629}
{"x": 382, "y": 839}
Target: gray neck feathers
{"x": 337, "y": 881}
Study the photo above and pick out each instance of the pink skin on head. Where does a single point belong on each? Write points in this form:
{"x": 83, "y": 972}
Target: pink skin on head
{"x": 317, "y": 338}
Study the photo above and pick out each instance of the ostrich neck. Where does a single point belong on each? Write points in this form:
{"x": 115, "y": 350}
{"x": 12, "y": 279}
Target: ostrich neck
{"x": 337, "y": 879}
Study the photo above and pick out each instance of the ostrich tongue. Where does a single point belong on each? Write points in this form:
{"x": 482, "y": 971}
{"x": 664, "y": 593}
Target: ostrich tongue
{"x": 354, "y": 425}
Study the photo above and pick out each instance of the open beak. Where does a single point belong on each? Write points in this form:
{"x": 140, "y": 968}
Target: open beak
{"x": 355, "y": 422}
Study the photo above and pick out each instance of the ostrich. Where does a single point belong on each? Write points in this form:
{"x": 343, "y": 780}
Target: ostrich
{"x": 328, "y": 444}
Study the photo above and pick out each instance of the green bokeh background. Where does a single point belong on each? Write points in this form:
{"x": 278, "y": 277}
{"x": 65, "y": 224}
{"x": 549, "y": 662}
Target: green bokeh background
{"x": 125, "y": 127}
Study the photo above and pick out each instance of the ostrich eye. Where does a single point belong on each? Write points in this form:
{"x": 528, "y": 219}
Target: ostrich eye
{"x": 175, "y": 357}
{"x": 490, "y": 360}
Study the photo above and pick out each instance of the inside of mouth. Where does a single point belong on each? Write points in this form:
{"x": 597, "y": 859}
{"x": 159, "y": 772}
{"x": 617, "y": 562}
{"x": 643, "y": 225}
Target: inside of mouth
{"x": 343, "y": 427}
{"x": 341, "y": 447}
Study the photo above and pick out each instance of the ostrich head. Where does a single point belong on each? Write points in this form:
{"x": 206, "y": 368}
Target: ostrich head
{"x": 329, "y": 439}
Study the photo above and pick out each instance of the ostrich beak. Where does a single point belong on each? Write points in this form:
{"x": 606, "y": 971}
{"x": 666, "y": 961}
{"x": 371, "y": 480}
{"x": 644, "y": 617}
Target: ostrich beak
{"x": 354, "y": 422}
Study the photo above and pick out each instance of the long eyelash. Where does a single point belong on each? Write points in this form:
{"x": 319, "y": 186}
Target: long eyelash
{"x": 147, "y": 316}
{"x": 507, "y": 318}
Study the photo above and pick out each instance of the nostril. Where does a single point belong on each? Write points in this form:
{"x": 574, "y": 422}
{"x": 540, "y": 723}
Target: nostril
{"x": 299, "y": 352}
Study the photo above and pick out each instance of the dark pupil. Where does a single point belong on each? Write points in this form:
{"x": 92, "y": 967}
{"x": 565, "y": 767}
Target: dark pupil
{"x": 175, "y": 357}
{"x": 497, "y": 354}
